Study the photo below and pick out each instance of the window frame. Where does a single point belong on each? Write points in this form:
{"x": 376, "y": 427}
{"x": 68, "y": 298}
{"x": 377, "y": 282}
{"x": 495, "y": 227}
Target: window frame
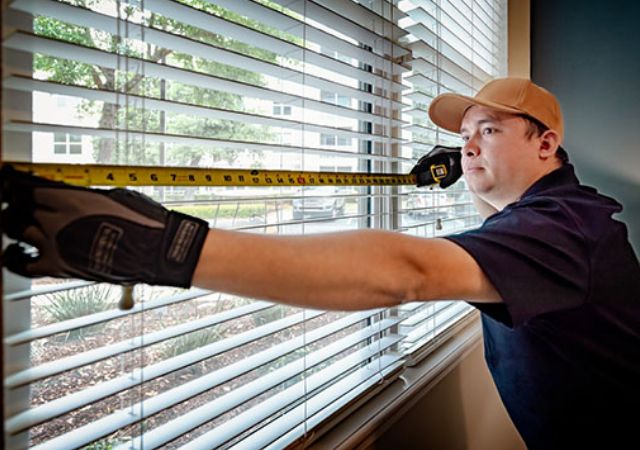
{"x": 374, "y": 206}
{"x": 71, "y": 144}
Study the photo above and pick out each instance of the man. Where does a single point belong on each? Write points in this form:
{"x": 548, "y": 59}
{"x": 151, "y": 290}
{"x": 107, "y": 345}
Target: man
{"x": 553, "y": 274}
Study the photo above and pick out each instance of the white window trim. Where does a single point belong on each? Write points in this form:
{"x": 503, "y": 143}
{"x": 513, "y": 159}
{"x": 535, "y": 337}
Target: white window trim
{"x": 68, "y": 143}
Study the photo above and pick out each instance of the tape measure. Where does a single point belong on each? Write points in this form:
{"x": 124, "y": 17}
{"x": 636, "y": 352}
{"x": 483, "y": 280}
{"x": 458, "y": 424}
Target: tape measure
{"x": 112, "y": 175}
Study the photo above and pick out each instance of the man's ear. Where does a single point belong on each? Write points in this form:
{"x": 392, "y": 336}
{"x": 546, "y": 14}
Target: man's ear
{"x": 549, "y": 143}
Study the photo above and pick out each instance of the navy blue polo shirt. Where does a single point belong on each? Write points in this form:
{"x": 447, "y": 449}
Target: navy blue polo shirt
{"x": 564, "y": 346}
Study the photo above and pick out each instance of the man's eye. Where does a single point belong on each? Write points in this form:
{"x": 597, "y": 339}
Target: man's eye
{"x": 465, "y": 138}
{"x": 488, "y": 130}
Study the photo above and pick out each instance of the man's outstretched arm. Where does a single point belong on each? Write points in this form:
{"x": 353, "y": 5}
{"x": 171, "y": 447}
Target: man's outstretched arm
{"x": 344, "y": 271}
{"x": 121, "y": 236}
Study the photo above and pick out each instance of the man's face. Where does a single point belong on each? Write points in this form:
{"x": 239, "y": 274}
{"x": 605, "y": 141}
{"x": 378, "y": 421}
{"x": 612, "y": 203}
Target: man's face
{"x": 498, "y": 160}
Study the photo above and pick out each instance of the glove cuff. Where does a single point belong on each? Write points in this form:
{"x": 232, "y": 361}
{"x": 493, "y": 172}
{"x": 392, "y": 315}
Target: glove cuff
{"x": 182, "y": 244}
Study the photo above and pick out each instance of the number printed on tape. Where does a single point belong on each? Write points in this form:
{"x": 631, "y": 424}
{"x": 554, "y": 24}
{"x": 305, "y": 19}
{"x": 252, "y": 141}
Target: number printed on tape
{"x": 109, "y": 175}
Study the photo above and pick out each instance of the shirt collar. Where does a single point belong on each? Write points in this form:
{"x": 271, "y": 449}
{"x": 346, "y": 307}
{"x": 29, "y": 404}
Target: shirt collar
{"x": 563, "y": 175}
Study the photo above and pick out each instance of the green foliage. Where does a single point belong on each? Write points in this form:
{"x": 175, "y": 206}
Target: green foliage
{"x": 105, "y": 444}
{"x": 242, "y": 211}
{"x": 191, "y": 341}
{"x": 267, "y": 315}
{"x": 135, "y": 118}
{"x": 66, "y": 305}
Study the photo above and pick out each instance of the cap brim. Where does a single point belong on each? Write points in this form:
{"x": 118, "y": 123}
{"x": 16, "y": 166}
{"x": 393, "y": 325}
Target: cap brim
{"x": 447, "y": 110}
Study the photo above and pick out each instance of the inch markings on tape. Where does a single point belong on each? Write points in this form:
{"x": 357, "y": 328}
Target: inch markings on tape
{"x": 110, "y": 175}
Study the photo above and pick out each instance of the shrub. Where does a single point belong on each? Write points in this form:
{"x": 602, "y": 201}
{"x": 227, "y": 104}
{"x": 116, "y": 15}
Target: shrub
{"x": 105, "y": 444}
{"x": 223, "y": 211}
{"x": 268, "y": 315}
{"x": 190, "y": 341}
{"x": 66, "y": 305}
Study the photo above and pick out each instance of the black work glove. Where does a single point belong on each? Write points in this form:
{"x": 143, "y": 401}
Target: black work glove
{"x": 115, "y": 235}
{"x": 440, "y": 166}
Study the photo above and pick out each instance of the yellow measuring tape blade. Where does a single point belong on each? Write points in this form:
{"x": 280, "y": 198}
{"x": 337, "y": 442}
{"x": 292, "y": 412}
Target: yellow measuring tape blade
{"x": 110, "y": 175}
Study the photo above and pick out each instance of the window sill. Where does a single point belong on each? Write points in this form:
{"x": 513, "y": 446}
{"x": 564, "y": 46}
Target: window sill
{"x": 369, "y": 417}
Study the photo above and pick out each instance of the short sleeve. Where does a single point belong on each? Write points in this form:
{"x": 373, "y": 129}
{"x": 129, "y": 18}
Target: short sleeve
{"x": 534, "y": 255}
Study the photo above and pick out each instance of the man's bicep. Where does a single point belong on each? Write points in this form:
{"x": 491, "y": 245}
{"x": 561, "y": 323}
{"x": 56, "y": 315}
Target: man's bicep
{"x": 454, "y": 274}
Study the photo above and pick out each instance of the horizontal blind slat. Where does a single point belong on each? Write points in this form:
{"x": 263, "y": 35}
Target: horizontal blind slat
{"x": 128, "y": 416}
{"x": 101, "y": 317}
{"x": 448, "y": 55}
{"x": 468, "y": 32}
{"x": 235, "y": 426}
{"x": 428, "y": 311}
{"x": 149, "y": 137}
{"x": 151, "y": 103}
{"x": 281, "y": 21}
{"x": 379, "y": 44}
{"x": 319, "y": 407}
{"x": 47, "y": 289}
{"x": 205, "y": 413}
{"x": 423, "y": 18}
{"x": 419, "y": 96}
{"x": 474, "y": 15}
{"x": 384, "y": 25}
{"x": 419, "y": 343}
{"x": 294, "y": 27}
{"x": 469, "y": 17}
{"x": 331, "y": 30}
{"x": 81, "y": 16}
{"x": 28, "y": 42}
{"x": 55, "y": 408}
{"x": 78, "y": 360}
{"x": 439, "y": 321}
{"x": 462, "y": 77}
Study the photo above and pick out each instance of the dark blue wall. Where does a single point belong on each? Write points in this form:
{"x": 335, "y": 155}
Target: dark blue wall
{"x": 588, "y": 54}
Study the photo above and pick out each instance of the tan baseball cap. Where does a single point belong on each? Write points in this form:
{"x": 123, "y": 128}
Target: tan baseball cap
{"x": 512, "y": 95}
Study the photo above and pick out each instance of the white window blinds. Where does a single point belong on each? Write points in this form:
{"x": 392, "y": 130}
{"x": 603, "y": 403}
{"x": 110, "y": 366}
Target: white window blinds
{"x": 320, "y": 85}
{"x": 456, "y": 46}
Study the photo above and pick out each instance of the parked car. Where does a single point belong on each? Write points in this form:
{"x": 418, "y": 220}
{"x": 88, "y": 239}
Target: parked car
{"x": 319, "y": 201}
{"x": 430, "y": 205}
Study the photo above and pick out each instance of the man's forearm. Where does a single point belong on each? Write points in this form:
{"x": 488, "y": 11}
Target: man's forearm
{"x": 345, "y": 271}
